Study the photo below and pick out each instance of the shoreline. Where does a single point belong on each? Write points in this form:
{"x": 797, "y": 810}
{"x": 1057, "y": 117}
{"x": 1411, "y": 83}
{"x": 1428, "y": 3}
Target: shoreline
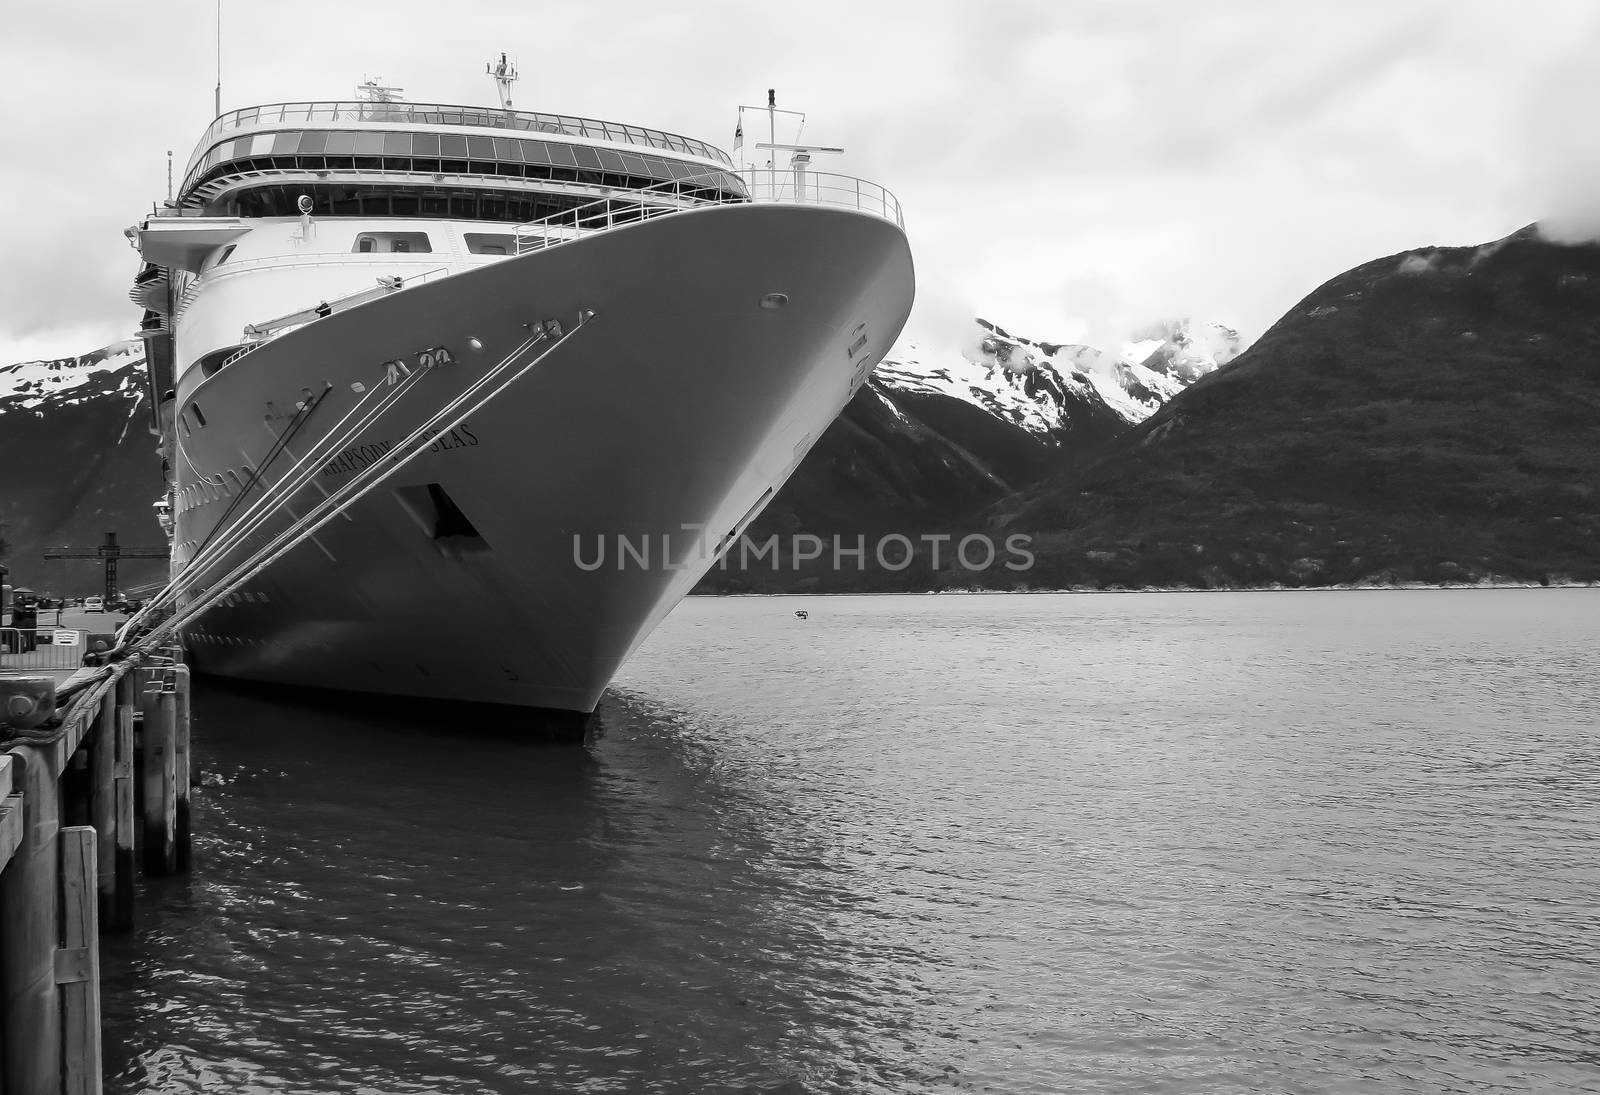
{"x": 1398, "y": 587}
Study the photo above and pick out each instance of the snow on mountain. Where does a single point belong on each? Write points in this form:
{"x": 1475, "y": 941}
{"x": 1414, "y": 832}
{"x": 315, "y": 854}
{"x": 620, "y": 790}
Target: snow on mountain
{"x": 1038, "y": 385}
{"x": 1032, "y": 400}
{"x": 66, "y": 381}
{"x": 76, "y": 460}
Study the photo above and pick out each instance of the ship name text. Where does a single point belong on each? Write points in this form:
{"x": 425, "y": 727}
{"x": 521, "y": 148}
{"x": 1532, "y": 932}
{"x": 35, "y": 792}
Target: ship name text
{"x": 357, "y": 457}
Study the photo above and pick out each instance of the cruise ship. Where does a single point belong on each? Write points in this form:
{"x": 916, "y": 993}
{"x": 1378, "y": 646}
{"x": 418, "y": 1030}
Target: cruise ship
{"x": 460, "y": 402}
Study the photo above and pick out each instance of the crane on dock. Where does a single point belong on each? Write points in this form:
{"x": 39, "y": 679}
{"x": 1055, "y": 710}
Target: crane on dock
{"x": 110, "y": 552}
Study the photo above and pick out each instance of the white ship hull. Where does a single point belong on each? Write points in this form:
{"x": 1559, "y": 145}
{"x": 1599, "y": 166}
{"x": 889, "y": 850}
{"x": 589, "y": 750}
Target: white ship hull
{"x": 680, "y": 406}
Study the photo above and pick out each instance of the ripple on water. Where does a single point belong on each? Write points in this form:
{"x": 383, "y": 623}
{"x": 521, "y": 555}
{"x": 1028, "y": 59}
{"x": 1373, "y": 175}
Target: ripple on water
{"x": 1165, "y": 843}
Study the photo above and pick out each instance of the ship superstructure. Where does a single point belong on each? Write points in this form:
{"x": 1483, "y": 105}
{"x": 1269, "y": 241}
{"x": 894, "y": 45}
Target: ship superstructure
{"x": 413, "y": 362}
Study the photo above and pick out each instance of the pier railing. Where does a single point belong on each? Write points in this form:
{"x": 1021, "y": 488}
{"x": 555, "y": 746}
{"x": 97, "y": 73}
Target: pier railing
{"x": 42, "y": 647}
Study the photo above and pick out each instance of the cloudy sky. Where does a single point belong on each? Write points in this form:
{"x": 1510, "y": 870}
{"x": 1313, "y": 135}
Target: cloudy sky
{"x": 1070, "y": 169}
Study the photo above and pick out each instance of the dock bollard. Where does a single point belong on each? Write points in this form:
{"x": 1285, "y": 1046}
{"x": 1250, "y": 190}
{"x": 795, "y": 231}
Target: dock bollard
{"x": 26, "y": 702}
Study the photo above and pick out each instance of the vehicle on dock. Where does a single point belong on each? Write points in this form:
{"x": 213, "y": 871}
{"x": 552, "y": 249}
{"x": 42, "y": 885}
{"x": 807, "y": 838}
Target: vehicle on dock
{"x": 94, "y": 604}
{"x": 484, "y": 343}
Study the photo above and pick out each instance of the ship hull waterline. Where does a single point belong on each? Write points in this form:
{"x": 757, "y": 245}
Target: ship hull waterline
{"x": 595, "y": 490}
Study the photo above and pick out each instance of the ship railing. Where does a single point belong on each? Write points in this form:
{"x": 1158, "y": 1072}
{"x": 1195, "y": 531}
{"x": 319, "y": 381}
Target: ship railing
{"x": 696, "y": 192}
{"x": 276, "y": 114}
{"x": 42, "y": 647}
{"x": 257, "y": 335}
{"x": 823, "y": 188}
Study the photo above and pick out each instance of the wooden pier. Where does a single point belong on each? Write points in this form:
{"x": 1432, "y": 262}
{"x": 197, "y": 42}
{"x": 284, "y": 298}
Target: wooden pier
{"x": 70, "y": 783}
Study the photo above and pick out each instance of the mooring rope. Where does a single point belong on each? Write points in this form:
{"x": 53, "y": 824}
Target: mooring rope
{"x": 266, "y": 506}
{"x": 302, "y": 416}
{"x": 55, "y": 727}
{"x": 364, "y": 482}
{"x": 273, "y": 498}
{"x": 356, "y": 488}
{"x": 306, "y": 468}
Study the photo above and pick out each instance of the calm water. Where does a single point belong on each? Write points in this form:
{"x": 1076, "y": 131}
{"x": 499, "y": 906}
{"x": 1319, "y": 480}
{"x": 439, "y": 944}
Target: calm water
{"x": 1286, "y": 842}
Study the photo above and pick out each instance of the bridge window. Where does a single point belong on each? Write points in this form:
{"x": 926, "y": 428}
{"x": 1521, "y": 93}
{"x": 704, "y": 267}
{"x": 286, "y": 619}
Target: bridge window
{"x": 447, "y": 154}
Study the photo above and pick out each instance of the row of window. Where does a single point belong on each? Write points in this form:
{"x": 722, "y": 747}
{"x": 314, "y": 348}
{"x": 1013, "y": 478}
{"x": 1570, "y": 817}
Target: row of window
{"x": 513, "y": 206}
{"x": 317, "y": 150}
{"x": 398, "y": 243}
{"x": 434, "y": 114}
{"x": 726, "y": 187}
{"x": 209, "y": 488}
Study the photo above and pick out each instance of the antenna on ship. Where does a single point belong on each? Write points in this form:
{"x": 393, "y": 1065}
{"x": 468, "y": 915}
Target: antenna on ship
{"x": 218, "y": 113}
{"x": 374, "y": 92}
{"x": 505, "y": 74}
{"x": 371, "y": 92}
{"x": 772, "y": 138}
{"x": 800, "y": 153}
{"x": 800, "y": 158}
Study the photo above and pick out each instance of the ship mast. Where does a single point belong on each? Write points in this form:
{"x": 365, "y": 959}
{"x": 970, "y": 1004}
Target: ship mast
{"x": 505, "y": 74}
{"x": 799, "y": 160}
{"x": 772, "y": 145}
{"x": 218, "y": 113}
{"x": 373, "y": 92}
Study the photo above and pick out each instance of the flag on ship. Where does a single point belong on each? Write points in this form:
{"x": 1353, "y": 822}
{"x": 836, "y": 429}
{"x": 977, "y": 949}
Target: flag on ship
{"x": 738, "y": 134}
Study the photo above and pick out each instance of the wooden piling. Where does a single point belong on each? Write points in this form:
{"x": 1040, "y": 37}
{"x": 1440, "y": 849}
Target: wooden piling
{"x": 182, "y": 765}
{"x": 30, "y": 1003}
{"x": 60, "y": 882}
{"x": 77, "y": 784}
{"x": 103, "y": 801}
{"x": 11, "y": 815}
{"x": 10, "y": 812}
{"x": 121, "y": 915}
{"x": 160, "y": 782}
{"x": 167, "y": 712}
{"x": 77, "y": 963}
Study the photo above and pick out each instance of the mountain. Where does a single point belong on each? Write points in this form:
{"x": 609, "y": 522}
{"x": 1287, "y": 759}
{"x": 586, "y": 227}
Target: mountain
{"x": 931, "y": 442}
{"x": 77, "y": 460}
{"x": 1431, "y": 416}
{"x": 928, "y": 445}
